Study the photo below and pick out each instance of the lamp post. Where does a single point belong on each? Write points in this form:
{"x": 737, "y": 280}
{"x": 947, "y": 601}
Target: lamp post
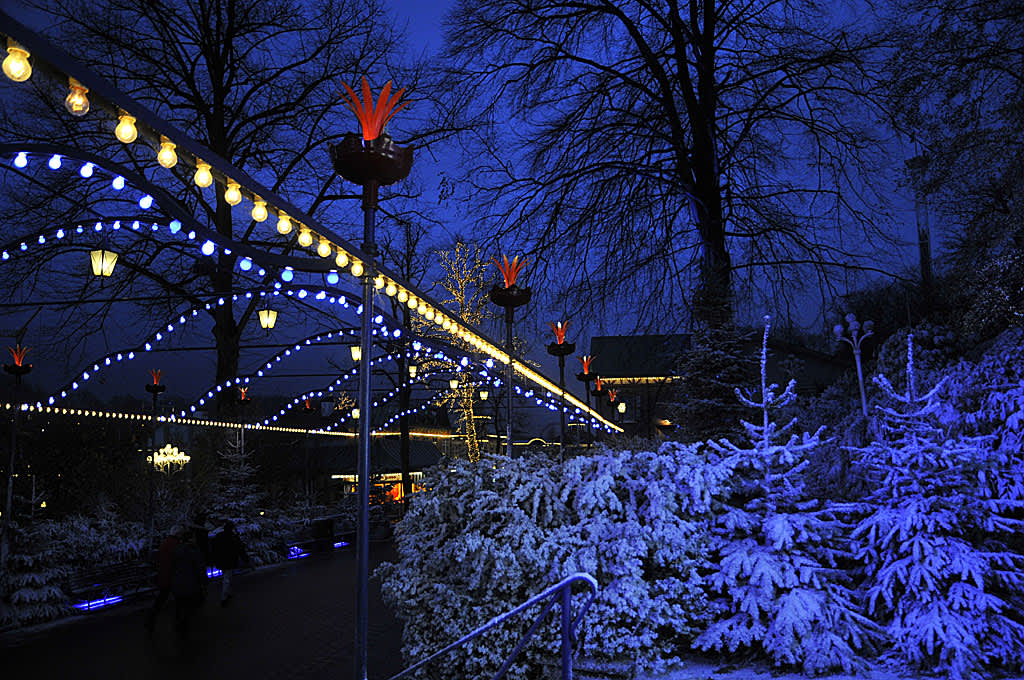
{"x": 154, "y": 388}
{"x": 561, "y": 349}
{"x": 509, "y": 297}
{"x": 857, "y": 335}
{"x": 18, "y": 369}
{"x": 599, "y": 391}
{"x": 371, "y": 160}
{"x": 586, "y": 377}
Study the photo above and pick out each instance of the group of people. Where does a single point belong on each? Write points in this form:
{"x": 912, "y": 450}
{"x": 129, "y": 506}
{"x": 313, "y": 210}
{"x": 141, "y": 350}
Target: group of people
{"x": 181, "y": 564}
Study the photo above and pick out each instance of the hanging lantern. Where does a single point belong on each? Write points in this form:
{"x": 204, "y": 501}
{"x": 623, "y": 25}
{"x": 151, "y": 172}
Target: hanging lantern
{"x": 412, "y": 370}
{"x": 622, "y": 407}
{"x": 453, "y": 383}
{"x": 483, "y": 395}
{"x": 357, "y": 352}
{"x": 268, "y": 317}
{"x": 103, "y": 262}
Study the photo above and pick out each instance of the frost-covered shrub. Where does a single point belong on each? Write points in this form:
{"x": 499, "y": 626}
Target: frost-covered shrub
{"x": 939, "y": 573}
{"x": 776, "y": 582}
{"x": 484, "y": 537}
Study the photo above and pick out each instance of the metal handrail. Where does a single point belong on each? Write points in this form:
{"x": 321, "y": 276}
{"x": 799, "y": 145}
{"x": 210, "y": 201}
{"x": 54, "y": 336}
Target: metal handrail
{"x": 560, "y": 592}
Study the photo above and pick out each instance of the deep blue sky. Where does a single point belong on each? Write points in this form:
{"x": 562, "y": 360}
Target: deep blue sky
{"x": 422, "y": 20}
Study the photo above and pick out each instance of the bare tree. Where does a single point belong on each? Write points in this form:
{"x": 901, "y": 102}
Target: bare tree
{"x": 668, "y": 147}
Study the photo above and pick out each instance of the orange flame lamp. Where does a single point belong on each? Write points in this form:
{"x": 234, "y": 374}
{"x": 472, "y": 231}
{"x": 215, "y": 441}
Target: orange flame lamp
{"x": 510, "y": 296}
{"x": 598, "y": 387}
{"x": 586, "y": 376}
{"x": 155, "y": 387}
{"x": 560, "y": 348}
{"x": 611, "y": 396}
{"x": 371, "y": 158}
{"x": 306, "y": 406}
{"x": 19, "y": 367}
{"x": 243, "y": 397}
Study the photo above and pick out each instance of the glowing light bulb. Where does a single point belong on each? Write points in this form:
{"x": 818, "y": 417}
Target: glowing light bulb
{"x": 21, "y": 160}
{"x": 233, "y": 194}
{"x": 146, "y": 202}
{"x": 77, "y": 103}
{"x": 357, "y": 269}
{"x": 203, "y": 177}
{"x": 305, "y": 238}
{"x": 86, "y": 170}
{"x": 403, "y": 296}
{"x": 284, "y": 224}
{"x": 118, "y": 183}
{"x": 259, "y": 210}
{"x": 391, "y": 289}
{"x": 166, "y": 156}
{"x": 54, "y": 162}
{"x": 341, "y": 259}
{"x": 16, "y": 64}
{"x": 126, "y": 132}
{"x": 208, "y": 248}
{"x": 323, "y": 249}
{"x": 378, "y": 282}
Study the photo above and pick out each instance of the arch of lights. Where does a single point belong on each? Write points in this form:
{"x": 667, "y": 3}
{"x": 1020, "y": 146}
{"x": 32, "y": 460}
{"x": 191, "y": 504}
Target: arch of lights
{"x": 107, "y": 99}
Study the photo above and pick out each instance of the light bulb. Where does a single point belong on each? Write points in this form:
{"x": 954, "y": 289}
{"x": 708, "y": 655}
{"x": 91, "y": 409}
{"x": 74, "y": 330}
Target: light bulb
{"x": 126, "y": 131}
{"x": 203, "y": 177}
{"x": 341, "y": 259}
{"x": 412, "y": 302}
{"x": 166, "y": 156}
{"x": 403, "y": 296}
{"x": 391, "y": 289}
{"x": 357, "y": 269}
{"x": 284, "y": 224}
{"x": 305, "y": 238}
{"x": 323, "y": 249}
{"x": 77, "y": 103}
{"x": 233, "y": 195}
{"x": 378, "y": 282}
{"x": 16, "y": 64}
{"x": 259, "y": 210}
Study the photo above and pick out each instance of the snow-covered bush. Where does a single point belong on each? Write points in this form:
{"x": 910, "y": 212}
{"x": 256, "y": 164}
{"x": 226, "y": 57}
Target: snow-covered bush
{"x": 940, "y": 575}
{"x": 777, "y": 583}
{"x": 486, "y": 536}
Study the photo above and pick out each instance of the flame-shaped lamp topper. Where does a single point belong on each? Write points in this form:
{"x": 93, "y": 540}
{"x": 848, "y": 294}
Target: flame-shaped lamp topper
{"x": 612, "y": 394}
{"x": 306, "y": 402}
{"x": 18, "y": 352}
{"x": 586, "y": 360}
{"x": 559, "y": 328}
{"x": 510, "y": 270}
{"x": 157, "y": 374}
{"x": 372, "y": 119}
{"x": 242, "y": 394}
{"x": 597, "y": 384}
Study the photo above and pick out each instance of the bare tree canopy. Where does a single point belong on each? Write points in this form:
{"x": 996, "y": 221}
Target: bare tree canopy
{"x": 668, "y": 147}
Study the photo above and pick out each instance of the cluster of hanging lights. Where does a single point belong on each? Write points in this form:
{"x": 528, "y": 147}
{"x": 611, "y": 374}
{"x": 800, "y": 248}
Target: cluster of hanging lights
{"x": 17, "y": 66}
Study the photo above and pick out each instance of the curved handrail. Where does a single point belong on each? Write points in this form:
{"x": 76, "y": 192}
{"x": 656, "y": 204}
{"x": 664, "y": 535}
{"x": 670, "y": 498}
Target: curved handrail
{"x": 569, "y": 625}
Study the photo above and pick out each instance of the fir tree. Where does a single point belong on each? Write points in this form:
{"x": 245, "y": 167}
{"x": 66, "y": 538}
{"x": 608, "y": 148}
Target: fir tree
{"x": 777, "y": 586}
{"x": 939, "y": 575}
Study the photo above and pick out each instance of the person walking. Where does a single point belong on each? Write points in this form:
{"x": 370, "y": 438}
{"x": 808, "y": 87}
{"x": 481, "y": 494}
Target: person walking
{"x": 228, "y": 552}
{"x": 164, "y": 573}
{"x": 188, "y": 582}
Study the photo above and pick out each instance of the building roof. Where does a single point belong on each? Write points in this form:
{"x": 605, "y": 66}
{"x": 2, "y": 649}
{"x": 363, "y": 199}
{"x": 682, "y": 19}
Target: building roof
{"x": 637, "y": 356}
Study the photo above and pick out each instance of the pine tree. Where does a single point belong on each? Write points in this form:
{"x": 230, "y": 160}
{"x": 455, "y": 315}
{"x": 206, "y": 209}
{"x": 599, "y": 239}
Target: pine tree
{"x": 939, "y": 576}
{"x": 777, "y": 586}
{"x": 237, "y": 498}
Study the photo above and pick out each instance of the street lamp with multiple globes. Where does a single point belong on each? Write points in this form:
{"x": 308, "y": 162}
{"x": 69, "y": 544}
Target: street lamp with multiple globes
{"x": 372, "y": 160}
{"x": 857, "y": 334}
{"x": 561, "y": 349}
{"x": 509, "y": 297}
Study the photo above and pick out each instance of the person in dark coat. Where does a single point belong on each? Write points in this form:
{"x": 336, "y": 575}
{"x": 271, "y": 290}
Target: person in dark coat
{"x": 201, "y": 531}
{"x": 164, "y": 573}
{"x": 228, "y": 552}
{"x": 188, "y": 582}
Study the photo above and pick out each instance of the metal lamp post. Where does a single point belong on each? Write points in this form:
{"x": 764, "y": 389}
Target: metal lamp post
{"x": 372, "y": 160}
{"x": 599, "y": 391}
{"x": 561, "y": 349}
{"x": 857, "y": 335}
{"x": 19, "y": 369}
{"x": 155, "y": 389}
{"x": 509, "y": 297}
{"x": 586, "y": 377}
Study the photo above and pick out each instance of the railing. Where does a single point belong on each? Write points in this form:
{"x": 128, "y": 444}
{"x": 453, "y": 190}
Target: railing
{"x": 560, "y": 592}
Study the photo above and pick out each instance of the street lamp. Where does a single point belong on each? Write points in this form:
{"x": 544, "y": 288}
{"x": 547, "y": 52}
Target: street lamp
{"x": 453, "y": 383}
{"x": 509, "y": 297}
{"x": 371, "y": 160}
{"x": 561, "y": 349}
{"x": 586, "y": 377}
{"x": 412, "y": 370}
{"x": 155, "y": 389}
{"x": 19, "y": 369}
{"x": 857, "y": 335}
{"x": 103, "y": 261}
{"x": 356, "y": 351}
{"x": 483, "y": 395}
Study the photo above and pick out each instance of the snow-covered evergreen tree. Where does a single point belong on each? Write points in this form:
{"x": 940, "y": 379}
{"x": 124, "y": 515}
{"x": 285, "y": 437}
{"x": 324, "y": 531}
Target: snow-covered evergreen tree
{"x": 939, "y": 574}
{"x": 778, "y": 586}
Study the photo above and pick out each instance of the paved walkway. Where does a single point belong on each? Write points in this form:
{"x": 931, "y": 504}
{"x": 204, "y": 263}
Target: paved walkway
{"x": 292, "y": 621}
